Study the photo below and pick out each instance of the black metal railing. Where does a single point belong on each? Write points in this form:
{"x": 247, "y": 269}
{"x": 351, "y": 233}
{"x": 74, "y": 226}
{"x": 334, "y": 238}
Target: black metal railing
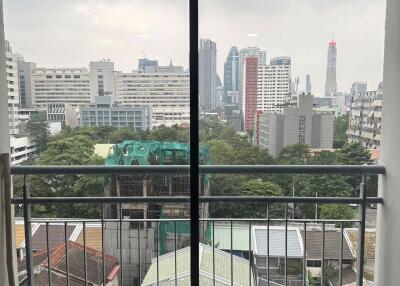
{"x": 362, "y": 201}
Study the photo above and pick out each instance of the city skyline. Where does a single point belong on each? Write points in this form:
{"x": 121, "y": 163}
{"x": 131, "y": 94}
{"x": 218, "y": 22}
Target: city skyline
{"x": 125, "y": 31}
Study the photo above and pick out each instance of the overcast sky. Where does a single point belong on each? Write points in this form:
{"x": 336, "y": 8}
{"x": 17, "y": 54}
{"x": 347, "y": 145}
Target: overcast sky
{"x": 74, "y": 32}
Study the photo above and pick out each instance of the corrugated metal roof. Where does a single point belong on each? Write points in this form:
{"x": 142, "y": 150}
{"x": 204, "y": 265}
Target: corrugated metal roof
{"x": 19, "y": 234}
{"x": 93, "y": 237}
{"x": 277, "y": 242}
{"x": 240, "y": 236}
{"x": 222, "y": 268}
{"x": 332, "y": 245}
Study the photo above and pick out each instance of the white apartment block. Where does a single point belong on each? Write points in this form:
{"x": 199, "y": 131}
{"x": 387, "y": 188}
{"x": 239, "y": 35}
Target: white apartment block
{"x": 21, "y": 149}
{"x": 273, "y": 86}
{"x": 13, "y": 89}
{"x": 166, "y": 93}
{"x": 365, "y": 119}
{"x": 61, "y": 85}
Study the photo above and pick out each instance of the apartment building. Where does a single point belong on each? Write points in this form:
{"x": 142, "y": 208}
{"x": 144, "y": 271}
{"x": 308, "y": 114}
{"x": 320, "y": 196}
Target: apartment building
{"x": 166, "y": 93}
{"x": 273, "y": 85}
{"x": 365, "y": 119}
{"x": 295, "y": 125}
{"x": 61, "y": 85}
{"x": 12, "y": 88}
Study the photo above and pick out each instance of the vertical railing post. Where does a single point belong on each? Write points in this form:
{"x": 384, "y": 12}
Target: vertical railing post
{"x": 28, "y": 233}
{"x": 194, "y": 141}
{"x": 361, "y": 231}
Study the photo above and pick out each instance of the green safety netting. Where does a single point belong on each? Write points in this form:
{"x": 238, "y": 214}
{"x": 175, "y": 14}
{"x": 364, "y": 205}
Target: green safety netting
{"x": 132, "y": 152}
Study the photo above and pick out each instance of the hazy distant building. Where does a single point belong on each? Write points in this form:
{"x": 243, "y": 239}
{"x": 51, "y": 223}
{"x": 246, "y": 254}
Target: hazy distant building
{"x": 105, "y": 113}
{"x": 231, "y": 73}
{"x": 365, "y": 119}
{"x": 331, "y": 84}
{"x": 61, "y": 85}
{"x": 243, "y": 54}
{"x": 12, "y": 88}
{"x": 25, "y": 70}
{"x": 308, "y": 84}
{"x": 233, "y": 117}
{"x": 207, "y": 74}
{"x": 250, "y": 75}
{"x": 358, "y": 87}
{"x": 170, "y": 68}
{"x": 102, "y": 79}
{"x": 296, "y": 125}
{"x": 274, "y": 84}
{"x": 147, "y": 65}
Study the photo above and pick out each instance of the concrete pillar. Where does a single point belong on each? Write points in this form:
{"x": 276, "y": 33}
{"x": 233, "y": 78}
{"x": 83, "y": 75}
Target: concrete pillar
{"x": 4, "y": 148}
{"x": 388, "y": 221}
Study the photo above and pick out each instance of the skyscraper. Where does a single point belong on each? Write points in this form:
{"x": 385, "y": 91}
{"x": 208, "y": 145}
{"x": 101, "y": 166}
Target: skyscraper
{"x": 243, "y": 54}
{"x": 358, "y": 87}
{"x": 250, "y": 91}
{"x": 207, "y": 74}
{"x": 331, "y": 84}
{"x": 231, "y": 71}
{"x": 308, "y": 84}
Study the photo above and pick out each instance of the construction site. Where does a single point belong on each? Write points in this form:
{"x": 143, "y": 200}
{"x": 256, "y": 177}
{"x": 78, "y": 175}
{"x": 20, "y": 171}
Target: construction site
{"x": 141, "y": 241}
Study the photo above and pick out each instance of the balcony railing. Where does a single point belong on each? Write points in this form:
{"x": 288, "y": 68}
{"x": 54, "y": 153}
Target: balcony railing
{"x": 268, "y": 222}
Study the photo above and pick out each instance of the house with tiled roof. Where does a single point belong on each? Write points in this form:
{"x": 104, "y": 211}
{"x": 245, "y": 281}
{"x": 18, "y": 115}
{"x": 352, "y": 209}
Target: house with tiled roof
{"x": 57, "y": 268}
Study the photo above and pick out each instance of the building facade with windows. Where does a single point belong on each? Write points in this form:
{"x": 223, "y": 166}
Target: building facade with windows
{"x": 25, "y": 70}
{"x": 273, "y": 86}
{"x": 104, "y": 113}
{"x": 12, "y": 88}
{"x": 207, "y": 74}
{"x": 61, "y": 85}
{"x": 365, "y": 119}
{"x": 250, "y": 91}
{"x": 166, "y": 93}
{"x": 102, "y": 79}
{"x": 295, "y": 125}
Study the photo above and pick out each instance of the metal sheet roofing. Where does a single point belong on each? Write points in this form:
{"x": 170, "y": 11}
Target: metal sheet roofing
{"x": 222, "y": 236}
{"x": 222, "y": 268}
{"x": 276, "y": 242}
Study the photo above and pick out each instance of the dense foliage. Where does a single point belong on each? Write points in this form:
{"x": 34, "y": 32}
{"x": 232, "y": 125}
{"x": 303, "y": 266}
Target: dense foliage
{"x": 75, "y": 146}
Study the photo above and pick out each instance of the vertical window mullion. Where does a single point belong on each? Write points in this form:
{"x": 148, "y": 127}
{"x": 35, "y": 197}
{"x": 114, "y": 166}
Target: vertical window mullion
{"x": 194, "y": 141}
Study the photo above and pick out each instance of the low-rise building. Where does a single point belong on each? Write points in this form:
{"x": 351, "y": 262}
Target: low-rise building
{"x": 365, "y": 119}
{"x": 295, "y": 125}
{"x": 104, "y": 113}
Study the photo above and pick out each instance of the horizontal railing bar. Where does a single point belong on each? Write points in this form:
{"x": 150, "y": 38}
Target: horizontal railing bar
{"x": 98, "y": 221}
{"x": 204, "y": 169}
{"x": 203, "y": 199}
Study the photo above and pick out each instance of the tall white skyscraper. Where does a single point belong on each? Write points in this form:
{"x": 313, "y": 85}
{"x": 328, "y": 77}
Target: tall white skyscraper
{"x": 207, "y": 74}
{"x": 308, "y": 84}
{"x": 274, "y": 84}
{"x": 243, "y": 54}
{"x": 331, "y": 84}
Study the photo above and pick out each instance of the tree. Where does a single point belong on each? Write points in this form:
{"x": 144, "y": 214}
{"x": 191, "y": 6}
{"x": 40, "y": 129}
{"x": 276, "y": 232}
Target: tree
{"x": 354, "y": 154}
{"x": 337, "y": 211}
{"x": 340, "y": 126}
{"x": 297, "y": 154}
{"x": 39, "y": 132}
